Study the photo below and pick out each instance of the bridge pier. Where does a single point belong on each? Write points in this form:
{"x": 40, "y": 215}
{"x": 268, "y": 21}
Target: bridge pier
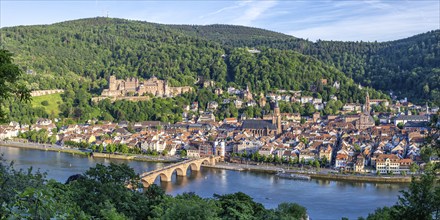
{"x": 165, "y": 177}
{"x": 181, "y": 171}
{"x": 181, "y": 168}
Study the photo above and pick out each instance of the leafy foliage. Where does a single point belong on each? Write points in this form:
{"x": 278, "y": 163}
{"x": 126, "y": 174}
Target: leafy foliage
{"x": 79, "y": 56}
{"x": 409, "y": 67}
{"x": 102, "y": 193}
{"x": 10, "y": 84}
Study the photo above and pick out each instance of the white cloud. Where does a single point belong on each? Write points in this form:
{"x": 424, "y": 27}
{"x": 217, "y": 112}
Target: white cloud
{"x": 255, "y": 11}
{"x": 397, "y": 23}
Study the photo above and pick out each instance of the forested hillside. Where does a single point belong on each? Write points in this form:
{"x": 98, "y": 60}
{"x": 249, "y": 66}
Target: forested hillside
{"x": 232, "y": 36}
{"x": 80, "y": 55}
{"x": 409, "y": 67}
{"x": 93, "y": 49}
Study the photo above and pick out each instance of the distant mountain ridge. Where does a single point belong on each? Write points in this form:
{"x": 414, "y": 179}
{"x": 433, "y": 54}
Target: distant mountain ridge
{"x": 93, "y": 49}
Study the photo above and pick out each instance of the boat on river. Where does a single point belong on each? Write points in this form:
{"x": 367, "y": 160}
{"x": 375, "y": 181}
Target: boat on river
{"x": 293, "y": 176}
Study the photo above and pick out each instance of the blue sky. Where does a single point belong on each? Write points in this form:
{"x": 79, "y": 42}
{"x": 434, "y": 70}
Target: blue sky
{"x": 367, "y": 20}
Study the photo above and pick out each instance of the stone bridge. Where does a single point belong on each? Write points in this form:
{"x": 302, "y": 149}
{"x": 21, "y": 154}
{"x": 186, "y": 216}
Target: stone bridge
{"x": 181, "y": 168}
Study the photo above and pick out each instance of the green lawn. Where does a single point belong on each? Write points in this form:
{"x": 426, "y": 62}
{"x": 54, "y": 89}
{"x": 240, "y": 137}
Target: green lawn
{"x": 54, "y": 101}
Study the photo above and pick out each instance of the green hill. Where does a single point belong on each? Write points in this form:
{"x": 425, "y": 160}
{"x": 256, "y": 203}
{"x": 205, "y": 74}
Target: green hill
{"x": 90, "y": 50}
{"x": 409, "y": 67}
{"x": 80, "y": 55}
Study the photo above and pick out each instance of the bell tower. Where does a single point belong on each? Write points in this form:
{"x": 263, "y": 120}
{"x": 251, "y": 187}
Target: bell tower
{"x": 367, "y": 104}
{"x": 276, "y": 118}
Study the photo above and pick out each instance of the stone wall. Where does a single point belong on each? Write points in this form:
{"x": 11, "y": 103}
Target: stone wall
{"x": 129, "y": 98}
{"x": 46, "y": 92}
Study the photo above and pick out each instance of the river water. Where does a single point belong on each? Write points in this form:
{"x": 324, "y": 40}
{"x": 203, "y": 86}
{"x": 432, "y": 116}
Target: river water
{"x": 323, "y": 199}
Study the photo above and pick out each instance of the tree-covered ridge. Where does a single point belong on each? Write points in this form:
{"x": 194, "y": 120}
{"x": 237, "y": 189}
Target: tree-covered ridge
{"x": 274, "y": 69}
{"x": 233, "y": 35}
{"x": 409, "y": 67}
{"x": 93, "y": 49}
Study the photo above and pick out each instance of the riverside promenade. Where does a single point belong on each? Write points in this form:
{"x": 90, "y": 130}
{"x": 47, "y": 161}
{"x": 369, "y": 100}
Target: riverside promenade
{"x": 326, "y": 174}
{"x": 86, "y": 152}
{"x": 45, "y": 147}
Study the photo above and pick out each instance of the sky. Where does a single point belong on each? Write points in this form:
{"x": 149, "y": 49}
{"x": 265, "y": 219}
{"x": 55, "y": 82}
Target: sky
{"x": 346, "y": 20}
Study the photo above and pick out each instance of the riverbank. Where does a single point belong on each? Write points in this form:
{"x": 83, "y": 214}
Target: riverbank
{"x": 57, "y": 148}
{"x": 226, "y": 166}
{"x": 313, "y": 174}
{"x": 43, "y": 147}
{"x": 362, "y": 178}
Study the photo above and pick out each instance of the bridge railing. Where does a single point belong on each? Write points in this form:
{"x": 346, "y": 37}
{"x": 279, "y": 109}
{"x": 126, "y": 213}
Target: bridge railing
{"x": 170, "y": 166}
{"x": 166, "y": 167}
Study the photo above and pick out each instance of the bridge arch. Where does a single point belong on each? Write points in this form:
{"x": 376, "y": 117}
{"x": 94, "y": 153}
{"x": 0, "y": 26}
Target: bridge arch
{"x": 180, "y": 171}
{"x": 180, "y": 168}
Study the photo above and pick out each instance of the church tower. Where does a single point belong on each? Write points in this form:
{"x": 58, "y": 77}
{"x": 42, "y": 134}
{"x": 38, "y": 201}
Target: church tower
{"x": 367, "y": 104}
{"x": 276, "y": 118}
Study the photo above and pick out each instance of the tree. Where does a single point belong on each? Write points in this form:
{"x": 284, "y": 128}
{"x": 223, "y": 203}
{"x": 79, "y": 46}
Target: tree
{"x": 414, "y": 168}
{"x": 111, "y": 148}
{"x": 290, "y": 211}
{"x": 421, "y": 201}
{"x": 100, "y": 148}
{"x": 238, "y": 206}
{"x": 186, "y": 206}
{"x": 324, "y": 160}
{"x": 9, "y": 81}
{"x": 316, "y": 164}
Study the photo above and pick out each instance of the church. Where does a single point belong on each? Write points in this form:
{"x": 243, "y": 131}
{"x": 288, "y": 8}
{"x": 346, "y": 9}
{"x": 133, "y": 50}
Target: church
{"x": 260, "y": 127}
{"x": 365, "y": 120}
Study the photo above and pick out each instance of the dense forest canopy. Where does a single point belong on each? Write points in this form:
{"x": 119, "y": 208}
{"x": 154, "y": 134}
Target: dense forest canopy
{"x": 408, "y": 67}
{"x": 80, "y": 55}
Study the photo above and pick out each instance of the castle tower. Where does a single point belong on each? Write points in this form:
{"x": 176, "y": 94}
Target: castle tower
{"x": 262, "y": 100}
{"x": 276, "y": 118}
{"x": 112, "y": 83}
{"x": 248, "y": 94}
{"x": 367, "y": 104}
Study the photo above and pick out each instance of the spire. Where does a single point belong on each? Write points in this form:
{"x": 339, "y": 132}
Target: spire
{"x": 367, "y": 103}
{"x": 427, "y": 108}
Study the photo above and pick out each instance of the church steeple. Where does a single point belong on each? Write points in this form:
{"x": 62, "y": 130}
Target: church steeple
{"x": 367, "y": 104}
{"x": 276, "y": 118}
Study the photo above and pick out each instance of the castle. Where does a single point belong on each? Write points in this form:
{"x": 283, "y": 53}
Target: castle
{"x": 135, "y": 87}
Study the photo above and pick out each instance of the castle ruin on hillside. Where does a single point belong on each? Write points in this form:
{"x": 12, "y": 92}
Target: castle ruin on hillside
{"x": 135, "y": 87}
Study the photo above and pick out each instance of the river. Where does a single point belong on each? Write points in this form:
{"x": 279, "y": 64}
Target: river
{"x": 323, "y": 199}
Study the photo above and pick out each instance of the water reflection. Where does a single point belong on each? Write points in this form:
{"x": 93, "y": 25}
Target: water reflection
{"x": 322, "y": 182}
